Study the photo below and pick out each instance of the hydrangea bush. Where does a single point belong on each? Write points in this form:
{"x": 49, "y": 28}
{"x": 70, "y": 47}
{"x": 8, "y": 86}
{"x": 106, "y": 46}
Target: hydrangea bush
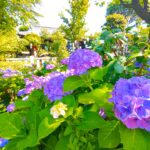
{"x": 80, "y": 106}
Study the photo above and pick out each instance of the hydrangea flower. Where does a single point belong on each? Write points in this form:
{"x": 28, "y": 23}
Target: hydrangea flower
{"x": 131, "y": 98}
{"x": 54, "y": 87}
{"x": 58, "y": 110}
{"x": 50, "y": 66}
{"x": 9, "y": 73}
{"x": 65, "y": 61}
{"x": 30, "y": 85}
{"x": 10, "y": 107}
{"x": 3, "y": 142}
{"x": 83, "y": 59}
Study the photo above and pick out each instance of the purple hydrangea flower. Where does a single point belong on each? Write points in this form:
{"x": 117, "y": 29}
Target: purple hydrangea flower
{"x": 3, "y": 142}
{"x": 54, "y": 87}
{"x": 50, "y": 66}
{"x": 9, "y": 73}
{"x": 10, "y": 107}
{"x": 83, "y": 59}
{"x": 65, "y": 61}
{"x": 131, "y": 98}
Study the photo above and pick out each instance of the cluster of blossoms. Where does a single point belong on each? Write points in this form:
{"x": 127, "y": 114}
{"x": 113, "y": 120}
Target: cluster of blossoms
{"x": 78, "y": 63}
{"x": 35, "y": 83}
{"x": 9, "y": 73}
{"x": 50, "y": 66}
{"x": 82, "y": 60}
{"x": 10, "y": 107}
{"x": 3, "y": 142}
{"x": 54, "y": 87}
{"x": 58, "y": 110}
{"x": 131, "y": 98}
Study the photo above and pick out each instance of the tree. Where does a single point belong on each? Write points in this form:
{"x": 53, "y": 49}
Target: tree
{"x": 116, "y": 21}
{"x": 74, "y": 26}
{"x": 45, "y": 34}
{"x": 141, "y": 7}
{"x": 14, "y": 12}
{"x": 58, "y": 45}
{"x": 129, "y": 13}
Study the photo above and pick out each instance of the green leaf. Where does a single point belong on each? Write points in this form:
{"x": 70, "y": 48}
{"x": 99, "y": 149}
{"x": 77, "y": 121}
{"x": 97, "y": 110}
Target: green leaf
{"x": 51, "y": 142}
{"x": 108, "y": 135}
{"x": 69, "y": 100}
{"x": 68, "y": 130}
{"x": 23, "y": 104}
{"x": 98, "y": 96}
{"x": 98, "y": 73}
{"x": 134, "y": 139}
{"x": 91, "y": 120}
{"x": 134, "y": 55}
{"x": 47, "y": 126}
{"x": 118, "y": 68}
{"x": 37, "y": 97}
{"x": 62, "y": 144}
{"x": 10, "y": 125}
{"x": 72, "y": 83}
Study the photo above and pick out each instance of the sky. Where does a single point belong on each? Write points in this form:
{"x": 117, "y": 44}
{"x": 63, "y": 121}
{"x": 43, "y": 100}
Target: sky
{"x": 51, "y": 8}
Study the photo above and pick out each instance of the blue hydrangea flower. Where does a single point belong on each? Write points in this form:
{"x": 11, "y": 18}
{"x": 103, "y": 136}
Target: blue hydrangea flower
{"x": 3, "y": 142}
{"x": 83, "y": 59}
{"x": 10, "y": 107}
{"x": 54, "y": 87}
{"x": 131, "y": 98}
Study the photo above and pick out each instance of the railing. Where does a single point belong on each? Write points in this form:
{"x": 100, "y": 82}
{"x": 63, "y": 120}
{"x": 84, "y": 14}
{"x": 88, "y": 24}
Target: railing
{"x": 34, "y": 60}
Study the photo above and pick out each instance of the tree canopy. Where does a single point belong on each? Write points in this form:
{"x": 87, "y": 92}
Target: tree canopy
{"x": 141, "y": 7}
{"x": 14, "y": 12}
{"x": 74, "y": 25}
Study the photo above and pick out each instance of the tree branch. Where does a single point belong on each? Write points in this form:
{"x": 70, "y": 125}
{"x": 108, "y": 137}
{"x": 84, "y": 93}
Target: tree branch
{"x": 145, "y": 4}
{"x": 140, "y": 11}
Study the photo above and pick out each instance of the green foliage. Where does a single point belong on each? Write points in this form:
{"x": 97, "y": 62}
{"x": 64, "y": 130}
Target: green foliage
{"x": 108, "y": 136}
{"x": 133, "y": 139}
{"x": 116, "y": 21}
{"x": 14, "y": 12}
{"x": 58, "y": 46}
{"x": 45, "y": 34}
{"x": 74, "y": 26}
{"x": 129, "y": 13}
{"x": 72, "y": 83}
{"x": 9, "y": 89}
{"x": 23, "y": 28}
{"x": 9, "y": 42}
{"x": 33, "y": 38}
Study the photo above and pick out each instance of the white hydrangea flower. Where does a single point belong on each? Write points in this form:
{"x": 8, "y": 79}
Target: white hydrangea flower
{"x": 58, "y": 110}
